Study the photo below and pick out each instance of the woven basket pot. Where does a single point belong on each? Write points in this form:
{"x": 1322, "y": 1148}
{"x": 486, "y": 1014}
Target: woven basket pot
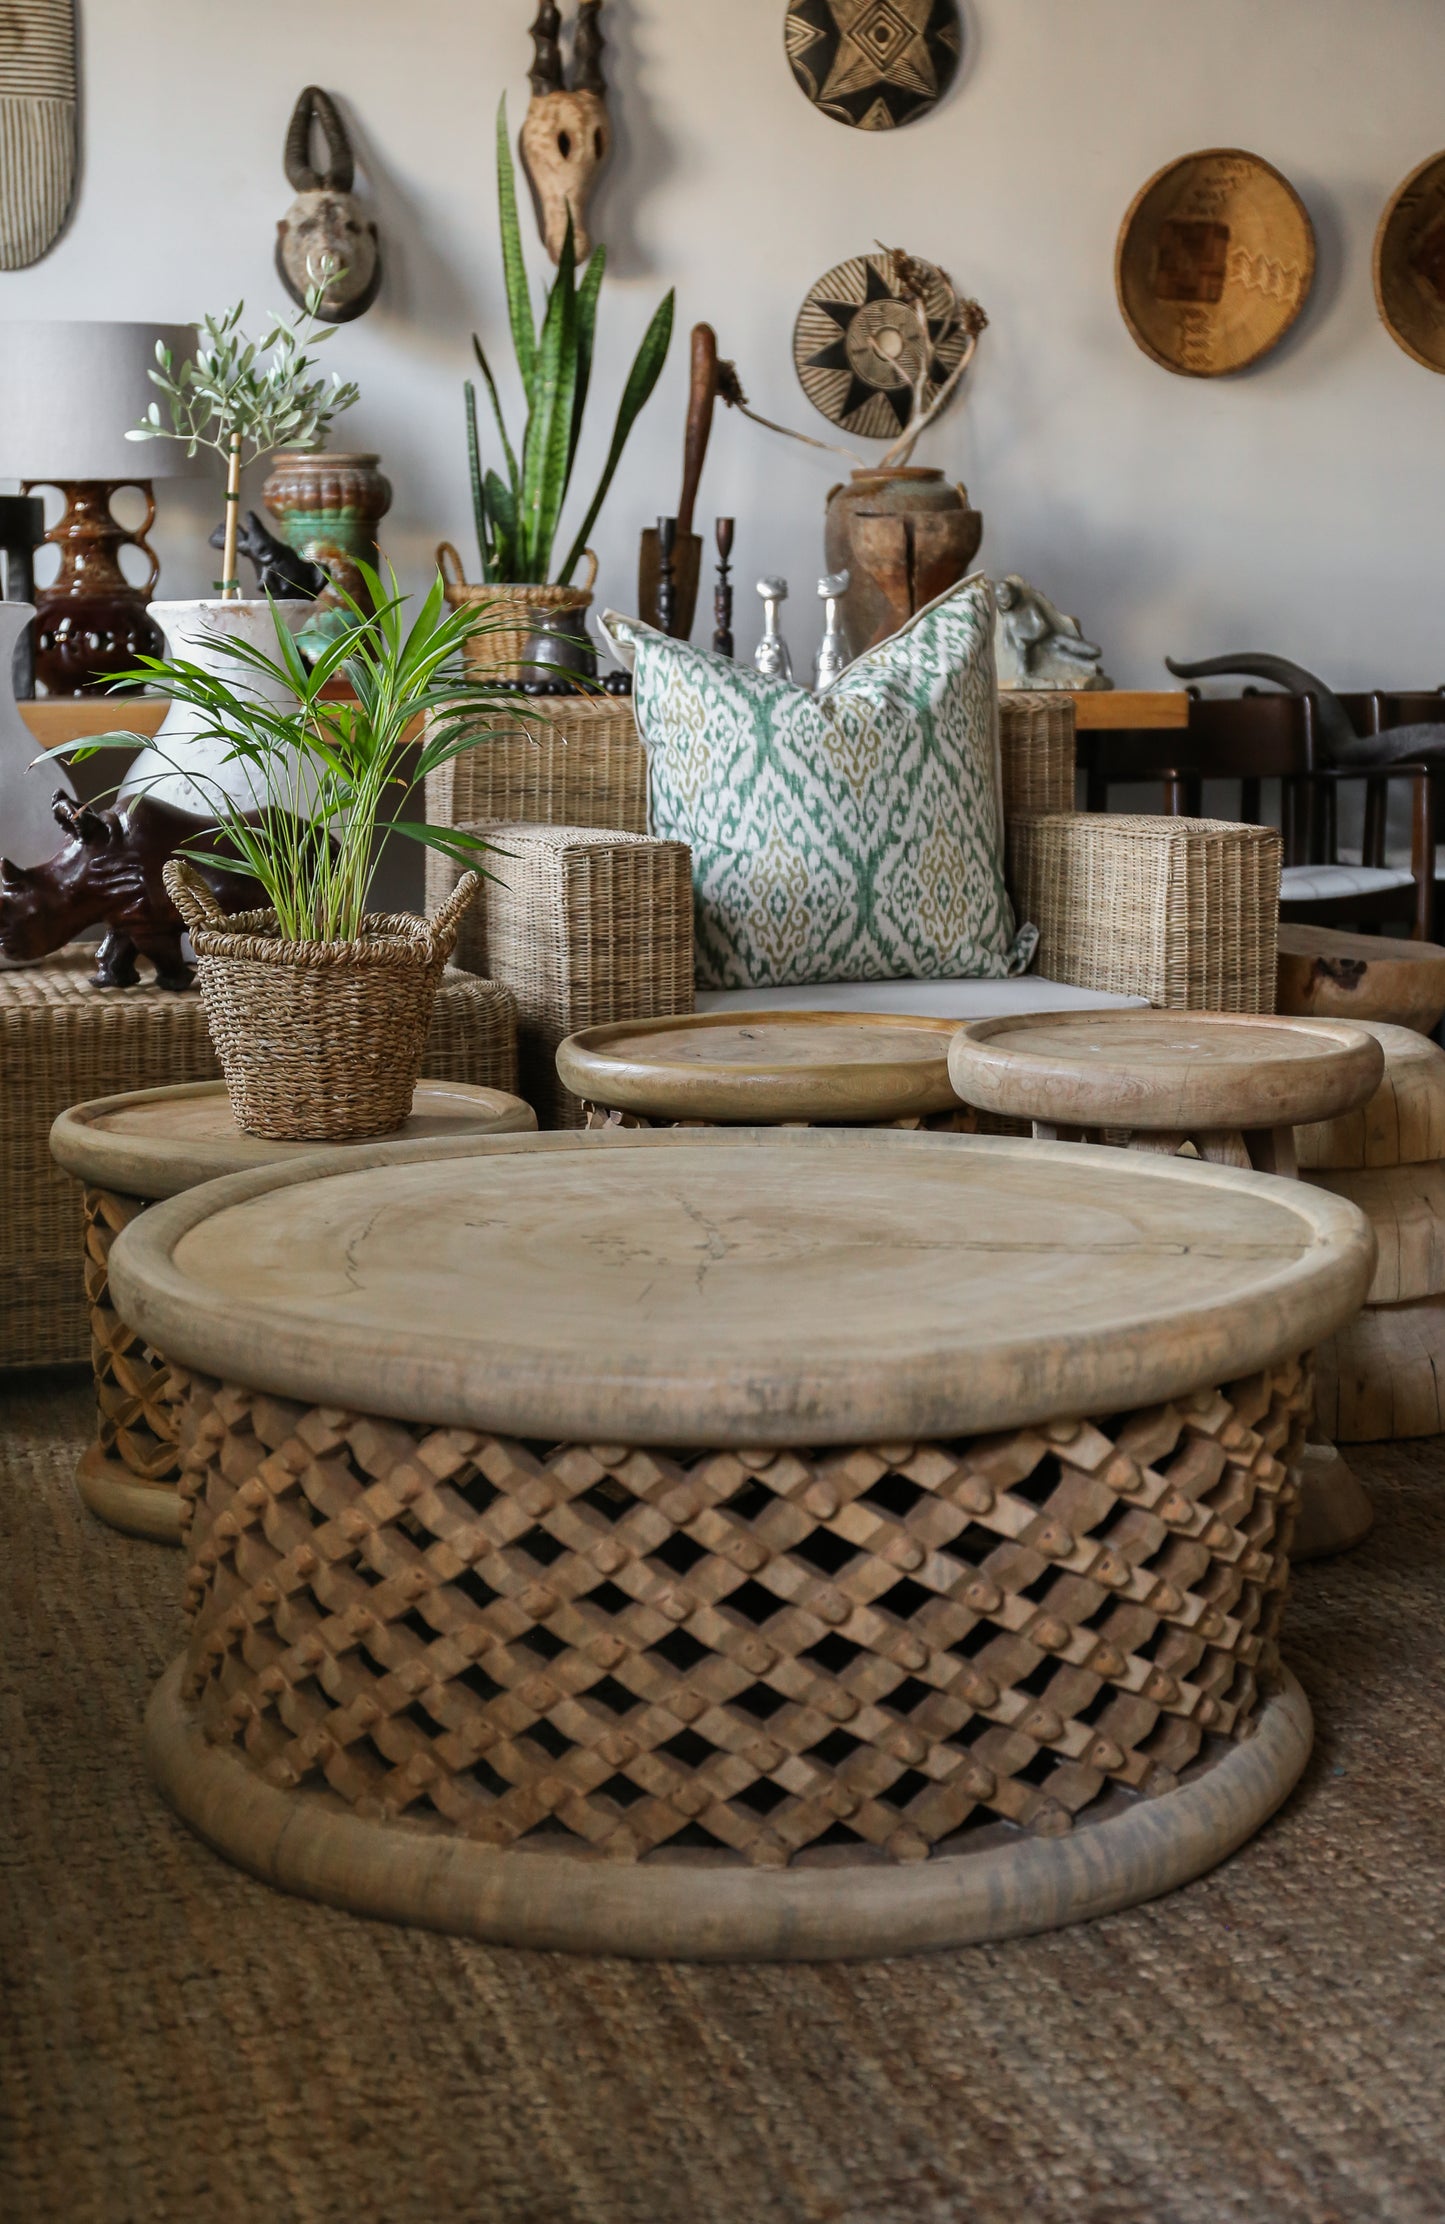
{"x": 499, "y": 655}
{"x": 320, "y": 1042}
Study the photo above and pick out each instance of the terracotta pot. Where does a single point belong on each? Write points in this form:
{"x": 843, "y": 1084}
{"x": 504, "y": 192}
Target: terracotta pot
{"x": 904, "y": 536}
{"x": 328, "y": 508}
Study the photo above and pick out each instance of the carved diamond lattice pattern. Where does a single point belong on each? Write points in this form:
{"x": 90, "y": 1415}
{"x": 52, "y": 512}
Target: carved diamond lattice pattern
{"x": 135, "y": 1390}
{"x": 593, "y": 1649}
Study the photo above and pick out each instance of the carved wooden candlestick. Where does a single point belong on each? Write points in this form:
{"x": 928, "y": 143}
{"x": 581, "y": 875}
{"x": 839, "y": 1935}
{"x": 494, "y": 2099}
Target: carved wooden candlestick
{"x": 666, "y": 577}
{"x": 92, "y": 622}
{"x": 722, "y": 601}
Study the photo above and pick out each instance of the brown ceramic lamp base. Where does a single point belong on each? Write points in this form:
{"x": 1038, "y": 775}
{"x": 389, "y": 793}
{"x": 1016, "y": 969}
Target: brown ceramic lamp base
{"x": 92, "y": 623}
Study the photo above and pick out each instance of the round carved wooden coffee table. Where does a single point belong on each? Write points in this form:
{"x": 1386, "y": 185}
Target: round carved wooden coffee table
{"x": 1234, "y": 1088}
{"x": 763, "y": 1543}
{"x": 131, "y": 1150}
{"x": 762, "y": 1069}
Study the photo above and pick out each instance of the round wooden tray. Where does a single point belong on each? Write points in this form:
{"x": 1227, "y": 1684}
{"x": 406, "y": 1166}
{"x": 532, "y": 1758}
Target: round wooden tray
{"x": 1215, "y": 261}
{"x": 746, "y": 1287}
{"x": 1164, "y": 1071}
{"x": 312, "y": 1844}
{"x": 160, "y": 1142}
{"x": 1410, "y": 265}
{"x": 830, "y": 1067}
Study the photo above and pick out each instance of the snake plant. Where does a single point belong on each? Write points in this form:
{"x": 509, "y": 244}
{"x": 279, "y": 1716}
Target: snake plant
{"x": 518, "y": 517}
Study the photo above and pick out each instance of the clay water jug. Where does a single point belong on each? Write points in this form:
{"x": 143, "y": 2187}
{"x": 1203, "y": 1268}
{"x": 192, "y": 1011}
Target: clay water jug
{"x": 903, "y": 536}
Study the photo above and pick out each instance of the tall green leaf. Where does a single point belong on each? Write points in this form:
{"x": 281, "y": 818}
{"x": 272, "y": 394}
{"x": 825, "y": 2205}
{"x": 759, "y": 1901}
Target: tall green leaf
{"x": 502, "y": 509}
{"x": 546, "y": 454}
{"x": 479, "y": 492}
{"x": 587, "y": 293}
{"x": 519, "y": 297}
{"x": 641, "y": 379}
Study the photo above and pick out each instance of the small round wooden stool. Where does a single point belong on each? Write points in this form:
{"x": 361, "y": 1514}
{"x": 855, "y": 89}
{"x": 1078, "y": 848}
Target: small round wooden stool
{"x": 766, "y": 1069}
{"x": 1325, "y": 973}
{"x": 1232, "y": 1088}
{"x": 737, "y": 1543}
{"x": 132, "y": 1150}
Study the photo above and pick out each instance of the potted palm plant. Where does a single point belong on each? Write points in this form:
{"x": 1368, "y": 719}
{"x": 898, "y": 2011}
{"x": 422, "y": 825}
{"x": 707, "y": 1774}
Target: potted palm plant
{"x": 518, "y": 517}
{"x": 318, "y": 1008}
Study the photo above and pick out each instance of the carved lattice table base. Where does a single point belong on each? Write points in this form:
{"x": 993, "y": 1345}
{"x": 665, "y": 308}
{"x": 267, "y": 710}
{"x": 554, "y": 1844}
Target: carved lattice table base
{"x": 418, "y": 1647}
{"x": 129, "y": 1475}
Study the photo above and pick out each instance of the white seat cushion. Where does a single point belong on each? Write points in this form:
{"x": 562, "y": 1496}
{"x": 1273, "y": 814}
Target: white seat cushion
{"x": 958, "y": 1000}
{"x": 1298, "y": 882}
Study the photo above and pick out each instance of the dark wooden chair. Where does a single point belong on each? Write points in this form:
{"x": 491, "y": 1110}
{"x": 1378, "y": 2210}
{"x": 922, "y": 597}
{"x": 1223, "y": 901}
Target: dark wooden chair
{"x": 1254, "y": 738}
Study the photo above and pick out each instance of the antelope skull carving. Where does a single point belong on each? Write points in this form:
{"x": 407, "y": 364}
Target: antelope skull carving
{"x": 566, "y": 137}
{"x": 325, "y": 238}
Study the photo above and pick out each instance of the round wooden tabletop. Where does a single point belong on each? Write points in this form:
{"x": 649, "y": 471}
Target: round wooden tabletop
{"x": 1187, "y": 1072}
{"x": 701, "y": 1286}
{"x": 159, "y": 1142}
{"x": 760, "y": 1067}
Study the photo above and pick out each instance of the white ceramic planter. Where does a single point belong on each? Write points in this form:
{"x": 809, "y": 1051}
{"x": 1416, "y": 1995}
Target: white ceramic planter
{"x": 28, "y": 832}
{"x": 181, "y": 751}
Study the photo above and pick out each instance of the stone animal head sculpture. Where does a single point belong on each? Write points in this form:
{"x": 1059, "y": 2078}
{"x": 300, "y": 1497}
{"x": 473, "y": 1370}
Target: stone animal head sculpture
{"x": 326, "y": 238}
{"x": 1036, "y": 645}
{"x": 566, "y": 137}
{"x": 109, "y": 869}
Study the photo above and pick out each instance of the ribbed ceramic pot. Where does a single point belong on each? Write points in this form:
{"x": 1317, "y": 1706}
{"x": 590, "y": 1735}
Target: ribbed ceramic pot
{"x": 183, "y": 752}
{"x": 328, "y": 506}
{"x": 903, "y": 537}
{"x": 28, "y": 833}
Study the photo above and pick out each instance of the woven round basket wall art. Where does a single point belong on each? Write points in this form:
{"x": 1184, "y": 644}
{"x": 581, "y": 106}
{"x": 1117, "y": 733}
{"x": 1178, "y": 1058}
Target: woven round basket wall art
{"x": 1215, "y": 261}
{"x": 874, "y": 64}
{"x": 857, "y": 342}
{"x": 1410, "y": 265}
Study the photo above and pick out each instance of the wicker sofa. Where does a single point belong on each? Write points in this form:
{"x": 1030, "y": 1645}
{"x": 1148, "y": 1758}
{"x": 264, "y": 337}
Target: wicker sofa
{"x": 588, "y": 918}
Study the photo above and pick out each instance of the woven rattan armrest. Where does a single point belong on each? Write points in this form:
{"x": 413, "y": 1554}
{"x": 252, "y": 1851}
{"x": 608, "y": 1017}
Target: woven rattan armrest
{"x": 583, "y": 926}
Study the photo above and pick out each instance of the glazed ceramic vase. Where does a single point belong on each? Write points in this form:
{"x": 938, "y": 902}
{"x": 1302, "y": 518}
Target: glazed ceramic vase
{"x": 328, "y": 508}
{"x": 903, "y": 537}
{"x": 28, "y": 832}
{"x": 182, "y": 749}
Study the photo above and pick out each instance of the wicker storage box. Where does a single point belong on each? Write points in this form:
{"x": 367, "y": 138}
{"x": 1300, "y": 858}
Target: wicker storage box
{"x": 568, "y": 761}
{"x": 1183, "y": 912}
{"x": 62, "y": 1042}
{"x": 584, "y": 927}
{"x": 1037, "y": 752}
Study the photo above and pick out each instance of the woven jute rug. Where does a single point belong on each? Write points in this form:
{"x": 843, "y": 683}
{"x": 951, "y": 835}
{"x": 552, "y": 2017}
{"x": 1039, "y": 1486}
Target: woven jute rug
{"x": 180, "y": 2043}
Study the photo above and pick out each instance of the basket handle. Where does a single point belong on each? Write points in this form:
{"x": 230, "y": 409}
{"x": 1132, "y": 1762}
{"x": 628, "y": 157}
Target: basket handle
{"x": 190, "y": 895}
{"x": 456, "y": 577}
{"x": 443, "y": 924}
{"x": 589, "y": 556}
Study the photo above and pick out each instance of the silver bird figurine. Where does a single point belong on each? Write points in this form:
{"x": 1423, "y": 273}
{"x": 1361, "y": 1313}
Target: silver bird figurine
{"x": 771, "y": 657}
{"x": 832, "y": 659}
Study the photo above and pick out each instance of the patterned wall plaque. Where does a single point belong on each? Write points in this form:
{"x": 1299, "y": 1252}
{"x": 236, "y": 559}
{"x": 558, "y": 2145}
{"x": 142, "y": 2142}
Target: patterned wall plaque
{"x": 857, "y": 344}
{"x": 1215, "y": 261}
{"x": 874, "y": 63}
{"x": 1410, "y": 265}
{"x": 37, "y": 126}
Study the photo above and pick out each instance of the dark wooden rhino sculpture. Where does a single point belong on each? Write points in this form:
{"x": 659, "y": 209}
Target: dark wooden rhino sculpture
{"x": 109, "y": 870}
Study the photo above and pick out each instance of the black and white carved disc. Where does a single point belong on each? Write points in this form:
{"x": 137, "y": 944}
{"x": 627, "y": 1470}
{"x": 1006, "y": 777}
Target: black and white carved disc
{"x": 874, "y": 63}
{"x": 857, "y": 345}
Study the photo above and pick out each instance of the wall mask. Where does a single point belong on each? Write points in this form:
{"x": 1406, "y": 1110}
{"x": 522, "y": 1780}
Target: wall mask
{"x": 326, "y": 237}
{"x": 567, "y": 136}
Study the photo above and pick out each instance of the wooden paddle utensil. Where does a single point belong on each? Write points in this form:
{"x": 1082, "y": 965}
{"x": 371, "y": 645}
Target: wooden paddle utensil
{"x": 687, "y": 548}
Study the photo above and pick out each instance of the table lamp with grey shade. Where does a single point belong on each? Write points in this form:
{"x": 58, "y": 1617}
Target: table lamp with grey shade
{"x": 69, "y": 393}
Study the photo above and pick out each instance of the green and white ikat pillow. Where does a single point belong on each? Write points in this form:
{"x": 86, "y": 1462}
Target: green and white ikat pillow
{"x": 855, "y": 835}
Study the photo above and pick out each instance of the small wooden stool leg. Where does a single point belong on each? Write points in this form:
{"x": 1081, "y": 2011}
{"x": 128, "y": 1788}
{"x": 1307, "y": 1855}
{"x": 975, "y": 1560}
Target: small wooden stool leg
{"x": 129, "y": 1476}
{"x": 1335, "y": 1510}
{"x": 1271, "y": 1151}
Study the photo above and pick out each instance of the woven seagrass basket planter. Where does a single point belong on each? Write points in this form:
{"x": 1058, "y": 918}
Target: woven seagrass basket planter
{"x": 498, "y": 653}
{"x": 319, "y": 1041}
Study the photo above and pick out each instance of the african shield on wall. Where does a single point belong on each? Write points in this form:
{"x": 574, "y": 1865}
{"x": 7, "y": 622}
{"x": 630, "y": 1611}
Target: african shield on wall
{"x": 37, "y": 126}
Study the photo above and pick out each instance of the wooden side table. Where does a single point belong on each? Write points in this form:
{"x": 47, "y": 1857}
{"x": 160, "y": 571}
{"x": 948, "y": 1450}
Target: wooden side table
{"x": 129, "y": 1151}
{"x": 699, "y": 1542}
{"x": 1231, "y": 1088}
{"x": 825, "y": 1069}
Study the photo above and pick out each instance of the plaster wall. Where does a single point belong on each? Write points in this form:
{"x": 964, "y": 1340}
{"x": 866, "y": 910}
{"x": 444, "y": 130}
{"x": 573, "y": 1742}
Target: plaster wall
{"x": 1300, "y": 506}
